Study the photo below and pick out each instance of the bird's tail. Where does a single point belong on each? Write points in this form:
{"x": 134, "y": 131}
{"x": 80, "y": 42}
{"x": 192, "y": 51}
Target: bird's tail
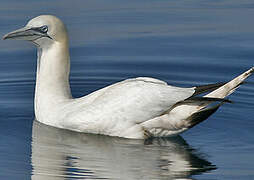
{"x": 200, "y": 111}
{"x": 231, "y": 86}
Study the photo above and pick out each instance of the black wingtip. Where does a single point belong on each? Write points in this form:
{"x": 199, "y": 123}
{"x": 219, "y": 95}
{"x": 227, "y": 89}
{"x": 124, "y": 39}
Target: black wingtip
{"x": 202, "y": 115}
{"x": 207, "y": 88}
{"x": 208, "y": 99}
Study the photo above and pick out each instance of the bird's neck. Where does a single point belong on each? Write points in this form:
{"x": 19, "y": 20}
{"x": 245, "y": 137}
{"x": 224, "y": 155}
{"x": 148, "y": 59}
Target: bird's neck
{"x": 52, "y": 79}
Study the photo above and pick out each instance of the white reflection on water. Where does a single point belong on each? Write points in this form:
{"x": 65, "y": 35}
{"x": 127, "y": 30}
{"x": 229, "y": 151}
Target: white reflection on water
{"x": 61, "y": 154}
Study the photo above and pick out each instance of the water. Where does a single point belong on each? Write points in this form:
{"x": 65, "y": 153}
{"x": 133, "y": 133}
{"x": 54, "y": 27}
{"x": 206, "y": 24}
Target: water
{"x": 182, "y": 42}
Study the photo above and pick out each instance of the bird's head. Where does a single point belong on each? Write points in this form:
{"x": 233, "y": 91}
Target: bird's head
{"x": 42, "y": 30}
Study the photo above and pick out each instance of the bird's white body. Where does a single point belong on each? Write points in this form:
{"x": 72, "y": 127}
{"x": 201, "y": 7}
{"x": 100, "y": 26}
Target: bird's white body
{"x": 134, "y": 108}
{"x": 116, "y": 110}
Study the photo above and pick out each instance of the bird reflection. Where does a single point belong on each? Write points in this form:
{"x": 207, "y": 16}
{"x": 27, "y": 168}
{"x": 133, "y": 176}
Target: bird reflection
{"x": 62, "y": 154}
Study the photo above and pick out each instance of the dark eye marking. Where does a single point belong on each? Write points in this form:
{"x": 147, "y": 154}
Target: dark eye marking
{"x": 43, "y": 29}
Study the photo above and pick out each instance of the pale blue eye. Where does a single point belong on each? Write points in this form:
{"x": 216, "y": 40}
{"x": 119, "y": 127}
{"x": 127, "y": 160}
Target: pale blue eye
{"x": 44, "y": 29}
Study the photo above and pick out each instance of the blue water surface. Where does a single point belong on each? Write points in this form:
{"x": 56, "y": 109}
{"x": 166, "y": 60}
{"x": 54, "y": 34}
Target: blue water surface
{"x": 185, "y": 43}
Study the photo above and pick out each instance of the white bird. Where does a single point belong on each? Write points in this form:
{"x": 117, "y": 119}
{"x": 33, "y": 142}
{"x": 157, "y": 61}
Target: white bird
{"x": 134, "y": 108}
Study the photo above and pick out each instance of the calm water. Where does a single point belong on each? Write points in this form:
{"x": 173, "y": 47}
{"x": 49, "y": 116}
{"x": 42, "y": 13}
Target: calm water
{"x": 182, "y": 42}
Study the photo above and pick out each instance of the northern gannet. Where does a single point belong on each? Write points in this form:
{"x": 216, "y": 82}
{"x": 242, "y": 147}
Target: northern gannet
{"x": 134, "y": 108}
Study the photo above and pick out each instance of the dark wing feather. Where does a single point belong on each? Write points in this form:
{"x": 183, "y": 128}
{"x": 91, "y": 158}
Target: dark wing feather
{"x": 207, "y": 88}
{"x": 205, "y": 99}
{"x": 201, "y": 115}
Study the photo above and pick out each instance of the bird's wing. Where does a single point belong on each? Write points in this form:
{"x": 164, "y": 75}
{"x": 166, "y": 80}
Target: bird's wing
{"x": 138, "y": 99}
{"x": 127, "y": 103}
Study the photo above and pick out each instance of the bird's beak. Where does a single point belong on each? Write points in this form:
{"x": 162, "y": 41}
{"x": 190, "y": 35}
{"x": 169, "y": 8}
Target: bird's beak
{"x": 25, "y": 33}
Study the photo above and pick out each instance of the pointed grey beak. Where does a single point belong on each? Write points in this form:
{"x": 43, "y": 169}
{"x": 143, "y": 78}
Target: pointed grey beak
{"x": 26, "y": 33}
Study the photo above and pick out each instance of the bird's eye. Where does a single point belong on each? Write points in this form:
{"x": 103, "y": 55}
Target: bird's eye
{"x": 44, "y": 29}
